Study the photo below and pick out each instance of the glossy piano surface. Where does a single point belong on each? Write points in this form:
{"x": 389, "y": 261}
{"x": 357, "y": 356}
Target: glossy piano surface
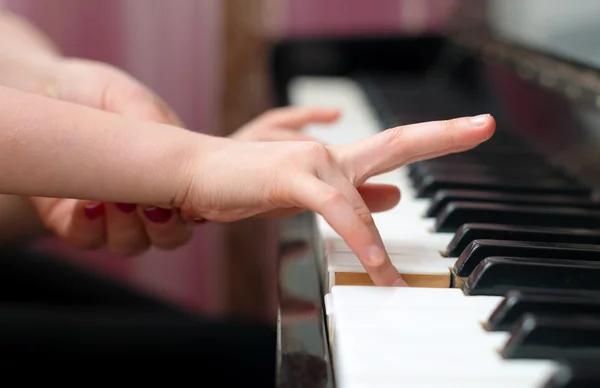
{"x": 303, "y": 358}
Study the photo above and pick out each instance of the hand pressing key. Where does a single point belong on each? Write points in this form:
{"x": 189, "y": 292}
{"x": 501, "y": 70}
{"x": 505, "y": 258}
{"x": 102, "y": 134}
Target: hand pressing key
{"x": 86, "y": 153}
{"x": 238, "y": 180}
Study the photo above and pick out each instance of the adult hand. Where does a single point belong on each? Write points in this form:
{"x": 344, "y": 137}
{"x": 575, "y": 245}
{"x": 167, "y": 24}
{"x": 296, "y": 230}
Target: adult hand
{"x": 283, "y": 124}
{"x": 243, "y": 179}
{"x": 126, "y": 229}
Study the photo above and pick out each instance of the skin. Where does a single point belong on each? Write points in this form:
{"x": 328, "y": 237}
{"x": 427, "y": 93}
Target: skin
{"x": 75, "y": 134}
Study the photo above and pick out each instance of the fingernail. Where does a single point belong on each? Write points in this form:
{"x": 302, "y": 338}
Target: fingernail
{"x": 200, "y": 220}
{"x": 126, "y": 207}
{"x": 158, "y": 214}
{"x": 94, "y": 211}
{"x": 480, "y": 120}
{"x": 400, "y": 283}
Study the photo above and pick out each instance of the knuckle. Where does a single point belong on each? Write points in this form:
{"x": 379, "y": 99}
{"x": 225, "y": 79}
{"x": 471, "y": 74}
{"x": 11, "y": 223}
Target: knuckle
{"x": 316, "y": 151}
{"x": 334, "y": 197}
{"x": 450, "y": 124}
{"x": 394, "y": 135}
{"x": 377, "y": 262}
{"x": 380, "y": 264}
{"x": 84, "y": 241}
{"x": 450, "y": 127}
{"x": 128, "y": 244}
{"x": 364, "y": 215}
{"x": 131, "y": 250}
{"x": 173, "y": 240}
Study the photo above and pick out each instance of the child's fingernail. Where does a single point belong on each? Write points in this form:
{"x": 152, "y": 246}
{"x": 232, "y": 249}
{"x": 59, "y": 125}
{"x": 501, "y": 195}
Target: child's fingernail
{"x": 480, "y": 120}
{"x": 94, "y": 211}
{"x": 158, "y": 214}
{"x": 400, "y": 283}
{"x": 126, "y": 207}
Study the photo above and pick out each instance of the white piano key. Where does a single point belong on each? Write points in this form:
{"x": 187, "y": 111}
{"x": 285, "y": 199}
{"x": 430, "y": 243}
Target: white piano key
{"x": 422, "y": 337}
{"x": 425, "y": 262}
{"x": 357, "y": 120}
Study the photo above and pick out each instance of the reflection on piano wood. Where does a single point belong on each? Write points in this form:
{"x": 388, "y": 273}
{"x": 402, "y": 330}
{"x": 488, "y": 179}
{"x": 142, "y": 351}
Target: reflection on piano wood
{"x": 501, "y": 244}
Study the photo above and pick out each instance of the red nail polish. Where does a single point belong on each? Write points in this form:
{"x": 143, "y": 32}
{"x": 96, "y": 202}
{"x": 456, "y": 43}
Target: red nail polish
{"x": 200, "y": 220}
{"x": 126, "y": 208}
{"x": 158, "y": 214}
{"x": 94, "y": 211}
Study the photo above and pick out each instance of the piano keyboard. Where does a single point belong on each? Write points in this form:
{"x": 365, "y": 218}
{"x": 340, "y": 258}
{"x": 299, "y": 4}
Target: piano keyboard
{"x": 469, "y": 229}
{"x": 423, "y": 337}
{"x": 462, "y": 216}
{"x": 414, "y": 249}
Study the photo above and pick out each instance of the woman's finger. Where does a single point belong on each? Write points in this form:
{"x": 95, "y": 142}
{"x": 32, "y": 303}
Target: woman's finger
{"x": 281, "y": 134}
{"x": 79, "y": 223}
{"x": 396, "y": 147}
{"x": 298, "y": 117}
{"x": 165, "y": 228}
{"x": 126, "y": 235}
{"x": 352, "y": 220}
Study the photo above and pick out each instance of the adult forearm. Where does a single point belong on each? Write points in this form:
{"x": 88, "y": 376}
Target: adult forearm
{"x": 50, "y": 148}
{"x": 27, "y": 56}
{"x": 19, "y": 35}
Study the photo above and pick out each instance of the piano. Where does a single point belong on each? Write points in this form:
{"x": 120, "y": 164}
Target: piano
{"x": 500, "y": 245}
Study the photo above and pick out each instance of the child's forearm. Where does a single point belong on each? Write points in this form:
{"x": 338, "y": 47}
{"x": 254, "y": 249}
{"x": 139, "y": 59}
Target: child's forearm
{"x": 49, "y": 148}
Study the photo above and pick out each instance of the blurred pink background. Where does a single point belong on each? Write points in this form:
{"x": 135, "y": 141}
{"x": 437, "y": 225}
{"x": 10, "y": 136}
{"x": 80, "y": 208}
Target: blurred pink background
{"x": 174, "y": 47}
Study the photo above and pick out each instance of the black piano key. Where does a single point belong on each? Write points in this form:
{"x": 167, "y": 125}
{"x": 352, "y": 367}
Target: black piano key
{"x": 418, "y": 170}
{"x": 432, "y": 165}
{"x": 498, "y": 275}
{"x": 576, "y": 373}
{"x": 518, "y": 303}
{"x": 417, "y": 178}
{"x": 478, "y": 250}
{"x": 472, "y": 231}
{"x": 481, "y": 157}
{"x": 554, "y": 337}
{"x": 450, "y": 171}
{"x": 511, "y": 179}
{"x": 456, "y": 214}
{"x": 431, "y": 184}
{"x": 443, "y": 197}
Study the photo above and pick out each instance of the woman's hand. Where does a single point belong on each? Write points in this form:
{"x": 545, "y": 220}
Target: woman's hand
{"x": 30, "y": 62}
{"x": 285, "y": 124}
{"x": 243, "y": 179}
{"x": 126, "y": 229}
